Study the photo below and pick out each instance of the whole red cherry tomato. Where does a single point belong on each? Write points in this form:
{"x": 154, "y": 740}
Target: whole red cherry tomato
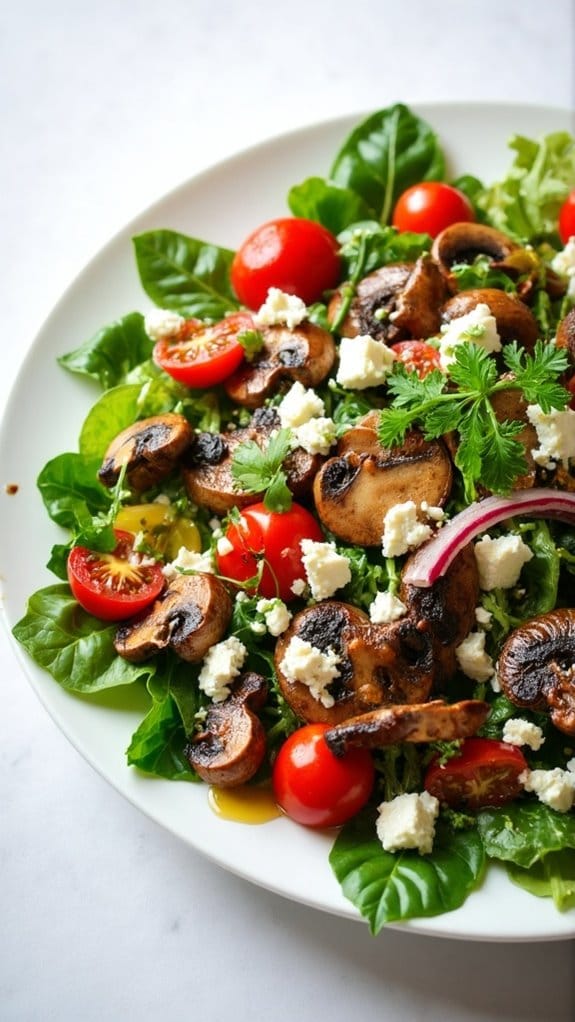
{"x": 430, "y": 207}
{"x": 113, "y": 586}
{"x": 484, "y": 773}
{"x": 274, "y": 538}
{"x": 417, "y": 356}
{"x": 317, "y": 788}
{"x": 295, "y": 255}
{"x": 567, "y": 218}
{"x": 201, "y": 355}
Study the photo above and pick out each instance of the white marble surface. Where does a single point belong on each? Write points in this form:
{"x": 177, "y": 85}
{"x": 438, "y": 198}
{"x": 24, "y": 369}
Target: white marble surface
{"x": 104, "y": 107}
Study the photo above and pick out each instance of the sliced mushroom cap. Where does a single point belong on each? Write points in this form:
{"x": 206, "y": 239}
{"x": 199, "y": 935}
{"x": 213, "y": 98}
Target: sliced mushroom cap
{"x": 416, "y": 722}
{"x": 463, "y": 242}
{"x": 446, "y": 609}
{"x": 377, "y": 665}
{"x": 566, "y": 335}
{"x": 305, "y": 354}
{"x": 232, "y": 746}
{"x": 208, "y": 473}
{"x": 396, "y": 301}
{"x": 190, "y": 616}
{"x": 354, "y": 490}
{"x": 536, "y": 667}
{"x": 515, "y": 321}
{"x": 151, "y": 449}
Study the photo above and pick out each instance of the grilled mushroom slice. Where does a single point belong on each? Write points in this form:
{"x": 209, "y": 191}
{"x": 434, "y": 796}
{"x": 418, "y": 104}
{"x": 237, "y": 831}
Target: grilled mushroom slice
{"x": 151, "y": 449}
{"x": 377, "y": 664}
{"x": 232, "y": 746}
{"x": 463, "y": 242}
{"x": 208, "y": 473}
{"x": 566, "y": 335}
{"x": 355, "y": 489}
{"x": 416, "y": 722}
{"x": 394, "y": 302}
{"x": 190, "y": 616}
{"x": 305, "y": 354}
{"x": 515, "y": 322}
{"x": 536, "y": 668}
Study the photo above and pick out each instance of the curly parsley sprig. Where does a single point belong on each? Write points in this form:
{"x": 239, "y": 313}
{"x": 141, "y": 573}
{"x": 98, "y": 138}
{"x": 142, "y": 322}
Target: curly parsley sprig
{"x": 255, "y": 469}
{"x": 488, "y": 450}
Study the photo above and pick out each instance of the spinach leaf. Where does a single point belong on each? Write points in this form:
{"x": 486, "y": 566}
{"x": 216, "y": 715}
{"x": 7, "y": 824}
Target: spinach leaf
{"x": 71, "y": 491}
{"x": 540, "y": 575}
{"x": 524, "y": 833}
{"x": 74, "y": 647}
{"x": 552, "y": 877}
{"x": 330, "y": 204}
{"x": 117, "y": 409}
{"x": 112, "y": 352}
{"x": 367, "y": 245}
{"x": 386, "y": 887}
{"x": 387, "y": 153}
{"x": 185, "y": 274}
{"x": 157, "y": 746}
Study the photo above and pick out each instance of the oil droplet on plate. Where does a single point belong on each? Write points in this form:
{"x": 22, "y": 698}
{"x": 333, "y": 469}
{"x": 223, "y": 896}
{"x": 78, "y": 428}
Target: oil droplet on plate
{"x": 244, "y": 804}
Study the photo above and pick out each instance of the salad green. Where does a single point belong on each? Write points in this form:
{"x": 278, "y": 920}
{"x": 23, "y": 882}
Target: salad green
{"x": 389, "y": 151}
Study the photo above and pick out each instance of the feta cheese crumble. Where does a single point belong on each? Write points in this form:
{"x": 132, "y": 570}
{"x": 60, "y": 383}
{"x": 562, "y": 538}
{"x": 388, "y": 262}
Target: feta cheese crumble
{"x": 402, "y": 530}
{"x": 223, "y": 546}
{"x": 555, "y": 433}
{"x": 305, "y": 663}
{"x": 386, "y": 608}
{"x": 483, "y": 617}
{"x": 299, "y": 406}
{"x": 326, "y": 570}
{"x": 556, "y": 788}
{"x": 160, "y": 323}
{"x": 363, "y": 362}
{"x": 476, "y": 327}
{"x": 281, "y": 309}
{"x": 221, "y": 664}
{"x": 518, "y": 731}
{"x": 316, "y": 436}
{"x": 189, "y": 560}
{"x": 276, "y": 615}
{"x": 564, "y": 264}
{"x": 500, "y": 560}
{"x": 473, "y": 658}
{"x": 408, "y": 821}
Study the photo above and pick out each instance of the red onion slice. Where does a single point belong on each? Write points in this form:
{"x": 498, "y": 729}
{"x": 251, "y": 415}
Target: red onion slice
{"x": 433, "y": 558}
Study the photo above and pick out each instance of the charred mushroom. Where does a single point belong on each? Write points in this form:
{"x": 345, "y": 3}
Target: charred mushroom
{"x": 354, "y": 490}
{"x": 566, "y": 335}
{"x": 151, "y": 449}
{"x": 515, "y": 322}
{"x": 305, "y": 354}
{"x": 394, "y": 302}
{"x": 208, "y": 473}
{"x": 537, "y": 667}
{"x": 190, "y": 616}
{"x": 416, "y": 722}
{"x": 232, "y": 745}
{"x": 464, "y": 242}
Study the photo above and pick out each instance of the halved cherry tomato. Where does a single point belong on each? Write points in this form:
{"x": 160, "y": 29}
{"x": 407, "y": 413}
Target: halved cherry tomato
{"x": 201, "y": 355}
{"x": 485, "y": 773}
{"x": 430, "y": 207}
{"x": 162, "y": 528}
{"x": 274, "y": 538}
{"x": 296, "y": 255}
{"x": 316, "y": 788}
{"x": 113, "y": 586}
{"x": 417, "y": 356}
{"x": 567, "y": 218}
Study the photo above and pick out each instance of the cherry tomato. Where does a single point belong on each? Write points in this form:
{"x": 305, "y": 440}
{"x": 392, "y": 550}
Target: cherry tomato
{"x": 430, "y": 207}
{"x": 113, "y": 586}
{"x": 201, "y": 355}
{"x": 316, "y": 788}
{"x": 273, "y": 537}
{"x": 417, "y": 356}
{"x": 567, "y": 218}
{"x": 485, "y": 773}
{"x": 296, "y": 255}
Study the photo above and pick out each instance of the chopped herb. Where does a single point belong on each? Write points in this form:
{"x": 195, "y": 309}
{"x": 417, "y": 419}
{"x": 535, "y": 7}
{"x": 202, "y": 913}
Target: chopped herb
{"x": 252, "y": 341}
{"x": 256, "y": 469}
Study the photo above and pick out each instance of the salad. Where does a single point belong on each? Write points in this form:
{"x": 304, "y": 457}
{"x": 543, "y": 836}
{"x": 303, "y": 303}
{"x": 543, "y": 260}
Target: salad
{"x": 322, "y": 511}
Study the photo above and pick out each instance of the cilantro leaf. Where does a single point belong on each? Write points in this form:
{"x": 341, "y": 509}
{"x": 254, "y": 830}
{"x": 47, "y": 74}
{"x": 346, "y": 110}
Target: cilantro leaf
{"x": 536, "y": 374}
{"x": 256, "y": 469}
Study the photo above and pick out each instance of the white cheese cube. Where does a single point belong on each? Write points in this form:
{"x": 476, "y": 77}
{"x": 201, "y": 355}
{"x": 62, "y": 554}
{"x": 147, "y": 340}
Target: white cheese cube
{"x": 189, "y": 560}
{"x": 316, "y": 436}
{"x": 473, "y": 658}
{"x": 298, "y": 406}
{"x": 363, "y": 362}
{"x": 556, "y": 434}
{"x": 517, "y": 731}
{"x": 221, "y": 664}
{"x": 500, "y": 560}
{"x": 276, "y": 615}
{"x": 326, "y": 570}
{"x": 305, "y": 663}
{"x": 408, "y": 821}
{"x": 385, "y": 608}
{"x": 160, "y": 323}
{"x": 556, "y": 788}
{"x": 476, "y": 327}
{"x": 281, "y": 309}
{"x": 402, "y": 530}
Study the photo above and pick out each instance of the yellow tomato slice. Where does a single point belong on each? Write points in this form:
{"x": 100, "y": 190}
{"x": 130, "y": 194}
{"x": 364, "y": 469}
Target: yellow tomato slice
{"x": 161, "y": 528}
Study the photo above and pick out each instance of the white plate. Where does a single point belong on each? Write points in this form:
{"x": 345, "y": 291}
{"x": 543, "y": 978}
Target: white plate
{"x": 221, "y": 205}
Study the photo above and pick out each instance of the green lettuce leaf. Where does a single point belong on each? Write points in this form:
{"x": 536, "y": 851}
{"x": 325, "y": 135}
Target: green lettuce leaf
{"x": 112, "y": 353}
{"x": 551, "y": 877}
{"x": 525, "y": 832}
{"x": 330, "y": 204}
{"x": 71, "y": 491}
{"x": 157, "y": 746}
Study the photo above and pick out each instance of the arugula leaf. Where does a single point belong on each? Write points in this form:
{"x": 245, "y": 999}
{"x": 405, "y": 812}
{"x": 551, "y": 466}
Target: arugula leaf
{"x": 74, "y": 647}
{"x": 524, "y": 832}
{"x": 190, "y": 276}
{"x": 112, "y": 352}
{"x": 256, "y": 469}
{"x": 327, "y": 203}
{"x": 157, "y": 745}
{"x": 386, "y": 887}
{"x": 552, "y": 877}
{"x": 385, "y": 154}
